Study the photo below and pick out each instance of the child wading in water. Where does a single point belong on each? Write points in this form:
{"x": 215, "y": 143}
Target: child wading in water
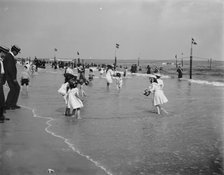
{"x": 74, "y": 100}
{"x": 158, "y": 96}
{"x": 25, "y": 77}
{"x": 63, "y": 90}
{"x": 119, "y": 81}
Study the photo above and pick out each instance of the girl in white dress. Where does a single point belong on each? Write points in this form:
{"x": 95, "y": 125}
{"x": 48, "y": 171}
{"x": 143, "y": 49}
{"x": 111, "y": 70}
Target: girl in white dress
{"x": 74, "y": 100}
{"x": 158, "y": 95}
{"x": 119, "y": 81}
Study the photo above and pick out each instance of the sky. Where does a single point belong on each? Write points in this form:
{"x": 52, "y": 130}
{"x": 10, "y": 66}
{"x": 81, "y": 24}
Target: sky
{"x": 145, "y": 29}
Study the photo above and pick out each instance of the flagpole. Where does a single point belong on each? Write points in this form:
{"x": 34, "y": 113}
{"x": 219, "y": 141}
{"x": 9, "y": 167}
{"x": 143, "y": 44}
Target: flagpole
{"x": 55, "y": 50}
{"x": 176, "y": 60}
{"x": 115, "y": 60}
{"x": 182, "y": 61}
{"x": 191, "y": 57}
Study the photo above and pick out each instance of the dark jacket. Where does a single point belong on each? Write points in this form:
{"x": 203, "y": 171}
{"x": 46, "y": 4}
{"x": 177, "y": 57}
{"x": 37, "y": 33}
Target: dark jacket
{"x": 2, "y": 97}
{"x": 10, "y": 67}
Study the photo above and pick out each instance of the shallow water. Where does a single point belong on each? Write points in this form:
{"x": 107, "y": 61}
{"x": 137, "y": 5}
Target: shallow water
{"x": 120, "y": 131}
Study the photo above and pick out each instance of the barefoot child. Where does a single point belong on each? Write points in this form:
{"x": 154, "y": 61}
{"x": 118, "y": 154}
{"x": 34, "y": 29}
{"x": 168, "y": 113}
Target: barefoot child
{"x": 25, "y": 77}
{"x": 158, "y": 96}
{"x": 119, "y": 81}
{"x": 74, "y": 100}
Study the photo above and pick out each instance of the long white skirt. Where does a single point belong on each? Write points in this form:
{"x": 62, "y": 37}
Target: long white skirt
{"x": 109, "y": 79}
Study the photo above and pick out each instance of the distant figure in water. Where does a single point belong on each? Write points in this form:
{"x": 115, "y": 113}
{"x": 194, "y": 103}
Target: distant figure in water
{"x": 158, "y": 95}
{"x": 148, "y": 69}
{"x": 109, "y": 75}
{"x": 91, "y": 74}
{"x": 180, "y": 72}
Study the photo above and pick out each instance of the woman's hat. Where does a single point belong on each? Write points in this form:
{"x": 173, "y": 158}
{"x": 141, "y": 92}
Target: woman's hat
{"x": 4, "y": 49}
{"x": 15, "y": 48}
{"x": 109, "y": 66}
{"x": 151, "y": 76}
{"x": 157, "y": 74}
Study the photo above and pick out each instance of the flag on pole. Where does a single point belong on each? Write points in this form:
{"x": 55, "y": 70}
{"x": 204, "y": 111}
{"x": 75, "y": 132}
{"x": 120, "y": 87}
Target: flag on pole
{"x": 55, "y": 49}
{"x": 193, "y": 42}
{"x": 117, "y": 46}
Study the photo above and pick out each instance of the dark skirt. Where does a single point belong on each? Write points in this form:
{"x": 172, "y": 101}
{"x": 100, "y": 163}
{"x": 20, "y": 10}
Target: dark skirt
{"x": 25, "y": 81}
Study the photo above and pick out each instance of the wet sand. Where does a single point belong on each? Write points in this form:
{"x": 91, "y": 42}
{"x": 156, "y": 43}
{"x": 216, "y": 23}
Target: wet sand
{"x": 26, "y": 149}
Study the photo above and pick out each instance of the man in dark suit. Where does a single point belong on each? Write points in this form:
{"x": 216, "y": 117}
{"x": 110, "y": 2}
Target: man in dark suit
{"x": 11, "y": 78}
{"x": 3, "y": 51}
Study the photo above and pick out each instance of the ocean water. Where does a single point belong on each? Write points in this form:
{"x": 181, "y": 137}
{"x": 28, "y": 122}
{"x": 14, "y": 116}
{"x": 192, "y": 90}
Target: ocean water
{"x": 120, "y": 132}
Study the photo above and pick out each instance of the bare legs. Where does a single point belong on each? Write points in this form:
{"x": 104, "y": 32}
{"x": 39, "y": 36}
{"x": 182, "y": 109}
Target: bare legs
{"x": 76, "y": 113}
{"x": 159, "y": 109}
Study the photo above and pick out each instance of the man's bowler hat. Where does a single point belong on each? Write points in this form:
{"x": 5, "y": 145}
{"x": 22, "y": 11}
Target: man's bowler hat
{"x": 4, "y": 49}
{"x": 15, "y": 48}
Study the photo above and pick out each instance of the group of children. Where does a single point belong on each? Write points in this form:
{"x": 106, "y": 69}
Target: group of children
{"x": 110, "y": 75}
{"x": 72, "y": 90}
{"x": 71, "y": 94}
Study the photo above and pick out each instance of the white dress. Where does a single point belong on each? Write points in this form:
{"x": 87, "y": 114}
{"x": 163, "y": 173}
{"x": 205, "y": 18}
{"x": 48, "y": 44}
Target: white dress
{"x": 109, "y": 76}
{"x": 119, "y": 82}
{"x": 158, "y": 95}
{"x": 73, "y": 101}
{"x": 160, "y": 83}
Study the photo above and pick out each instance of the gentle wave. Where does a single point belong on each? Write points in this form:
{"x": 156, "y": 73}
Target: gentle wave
{"x": 148, "y": 75}
{"x": 214, "y": 83}
{"x": 70, "y": 145}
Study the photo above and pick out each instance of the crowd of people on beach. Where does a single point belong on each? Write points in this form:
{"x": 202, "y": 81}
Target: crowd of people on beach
{"x": 72, "y": 89}
{"x": 73, "y": 92}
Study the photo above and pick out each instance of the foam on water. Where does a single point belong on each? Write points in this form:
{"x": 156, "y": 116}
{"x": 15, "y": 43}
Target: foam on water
{"x": 213, "y": 83}
{"x": 70, "y": 145}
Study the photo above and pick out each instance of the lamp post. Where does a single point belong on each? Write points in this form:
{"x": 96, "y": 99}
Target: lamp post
{"x": 55, "y": 50}
{"x": 191, "y": 56}
{"x": 210, "y": 63}
{"x": 176, "y": 60}
{"x": 78, "y": 58}
{"x": 138, "y": 61}
{"x": 182, "y": 61}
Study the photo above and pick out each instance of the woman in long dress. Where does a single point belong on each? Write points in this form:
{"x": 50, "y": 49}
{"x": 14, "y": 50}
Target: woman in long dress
{"x": 109, "y": 75}
{"x": 158, "y": 95}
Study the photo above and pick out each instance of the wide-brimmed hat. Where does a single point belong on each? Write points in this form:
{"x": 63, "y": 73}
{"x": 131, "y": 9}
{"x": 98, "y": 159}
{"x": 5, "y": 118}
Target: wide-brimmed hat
{"x": 109, "y": 66}
{"x": 151, "y": 76}
{"x": 4, "y": 49}
{"x": 157, "y": 74}
{"x": 15, "y": 48}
